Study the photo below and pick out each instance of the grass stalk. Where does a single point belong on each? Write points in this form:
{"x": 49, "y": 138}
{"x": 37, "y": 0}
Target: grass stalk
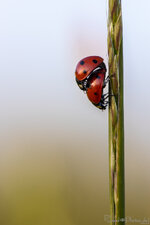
{"x": 116, "y": 114}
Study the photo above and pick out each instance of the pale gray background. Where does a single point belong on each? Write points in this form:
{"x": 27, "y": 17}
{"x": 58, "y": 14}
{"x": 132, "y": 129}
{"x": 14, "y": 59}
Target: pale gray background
{"x": 54, "y": 143}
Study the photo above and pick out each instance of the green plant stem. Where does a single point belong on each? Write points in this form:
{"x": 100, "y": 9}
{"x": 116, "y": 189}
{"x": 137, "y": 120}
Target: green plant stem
{"x": 116, "y": 114}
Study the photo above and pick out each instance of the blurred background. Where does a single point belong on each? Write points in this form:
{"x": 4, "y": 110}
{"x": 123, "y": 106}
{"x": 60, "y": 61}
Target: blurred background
{"x": 53, "y": 142}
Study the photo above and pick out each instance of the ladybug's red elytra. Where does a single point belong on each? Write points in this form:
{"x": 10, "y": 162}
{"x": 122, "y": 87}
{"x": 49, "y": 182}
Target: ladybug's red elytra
{"x": 86, "y": 66}
{"x": 90, "y": 77}
{"x": 95, "y": 86}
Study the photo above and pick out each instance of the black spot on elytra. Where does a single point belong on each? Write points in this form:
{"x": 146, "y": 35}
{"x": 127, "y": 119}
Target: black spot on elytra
{"x": 95, "y": 93}
{"x": 84, "y": 71}
{"x": 97, "y": 76}
{"x": 82, "y": 62}
{"x": 94, "y": 61}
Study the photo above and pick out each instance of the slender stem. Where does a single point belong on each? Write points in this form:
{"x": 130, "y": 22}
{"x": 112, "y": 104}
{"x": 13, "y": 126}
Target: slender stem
{"x": 116, "y": 114}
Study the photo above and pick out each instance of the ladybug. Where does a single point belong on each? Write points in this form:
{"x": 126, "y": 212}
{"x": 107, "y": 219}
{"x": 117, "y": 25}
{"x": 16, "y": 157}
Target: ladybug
{"x": 90, "y": 77}
{"x": 86, "y": 67}
{"x": 94, "y": 89}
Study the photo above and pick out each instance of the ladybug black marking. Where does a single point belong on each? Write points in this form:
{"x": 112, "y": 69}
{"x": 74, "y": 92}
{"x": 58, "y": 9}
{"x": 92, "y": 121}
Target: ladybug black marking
{"x": 94, "y": 61}
{"x": 84, "y": 72}
{"x": 82, "y": 62}
{"x": 97, "y": 76}
{"x": 95, "y": 93}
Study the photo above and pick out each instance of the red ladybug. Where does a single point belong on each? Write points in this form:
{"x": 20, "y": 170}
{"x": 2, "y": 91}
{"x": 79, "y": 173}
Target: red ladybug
{"x": 86, "y": 67}
{"x": 90, "y": 76}
{"x": 94, "y": 89}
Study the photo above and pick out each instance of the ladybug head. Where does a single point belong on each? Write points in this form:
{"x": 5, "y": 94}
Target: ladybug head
{"x": 82, "y": 84}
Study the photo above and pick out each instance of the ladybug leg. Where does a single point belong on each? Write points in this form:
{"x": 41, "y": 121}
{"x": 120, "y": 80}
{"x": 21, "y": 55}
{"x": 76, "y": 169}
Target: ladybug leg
{"x": 104, "y": 100}
{"x": 107, "y": 79}
{"x": 102, "y": 105}
{"x": 105, "y": 82}
{"x": 105, "y": 105}
{"x": 105, "y": 96}
{"x": 109, "y": 76}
